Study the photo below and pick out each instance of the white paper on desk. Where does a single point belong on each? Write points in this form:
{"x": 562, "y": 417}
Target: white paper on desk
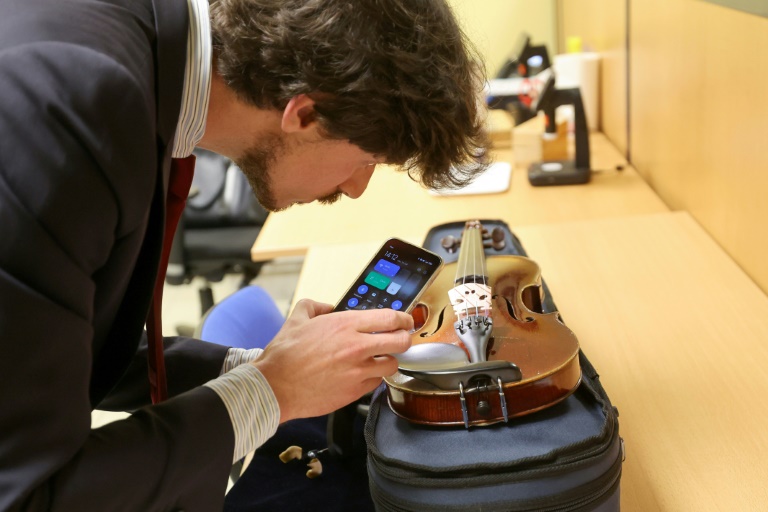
{"x": 494, "y": 180}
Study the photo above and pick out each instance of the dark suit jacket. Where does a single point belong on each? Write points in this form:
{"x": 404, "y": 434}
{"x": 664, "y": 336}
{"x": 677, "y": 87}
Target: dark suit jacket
{"x": 89, "y": 99}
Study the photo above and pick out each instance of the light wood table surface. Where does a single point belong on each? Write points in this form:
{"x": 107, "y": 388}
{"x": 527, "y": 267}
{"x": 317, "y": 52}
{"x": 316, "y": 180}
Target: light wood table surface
{"x": 394, "y": 204}
{"x": 679, "y": 335}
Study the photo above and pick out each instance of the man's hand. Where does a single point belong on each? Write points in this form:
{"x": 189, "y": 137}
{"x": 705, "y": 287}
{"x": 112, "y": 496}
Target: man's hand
{"x": 319, "y": 362}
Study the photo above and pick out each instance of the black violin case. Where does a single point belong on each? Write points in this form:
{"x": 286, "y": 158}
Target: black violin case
{"x": 567, "y": 457}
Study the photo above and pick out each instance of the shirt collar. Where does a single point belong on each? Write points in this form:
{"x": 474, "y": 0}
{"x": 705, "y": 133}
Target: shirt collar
{"x": 197, "y": 81}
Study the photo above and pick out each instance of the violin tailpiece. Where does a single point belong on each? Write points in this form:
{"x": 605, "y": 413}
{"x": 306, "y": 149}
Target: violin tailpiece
{"x": 475, "y": 332}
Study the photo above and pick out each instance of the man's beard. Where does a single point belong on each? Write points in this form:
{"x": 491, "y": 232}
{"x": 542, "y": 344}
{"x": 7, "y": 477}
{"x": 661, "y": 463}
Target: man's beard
{"x": 256, "y": 164}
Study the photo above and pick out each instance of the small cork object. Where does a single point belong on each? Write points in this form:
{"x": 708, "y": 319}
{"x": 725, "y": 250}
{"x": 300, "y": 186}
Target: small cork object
{"x": 297, "y": 453}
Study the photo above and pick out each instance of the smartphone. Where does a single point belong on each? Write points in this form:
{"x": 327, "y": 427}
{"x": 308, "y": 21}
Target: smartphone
{"x": 394, "y": 278}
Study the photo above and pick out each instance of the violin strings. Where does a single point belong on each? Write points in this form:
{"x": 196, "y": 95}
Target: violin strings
{"x": 474, "y": 258}
{"x": 482, "y": 256}
{"x": 465, "y": 271}
{"x": 472, "y": 244}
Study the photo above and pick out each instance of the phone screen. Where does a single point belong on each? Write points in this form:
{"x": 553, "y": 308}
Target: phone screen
{"x": 394, "y": 278}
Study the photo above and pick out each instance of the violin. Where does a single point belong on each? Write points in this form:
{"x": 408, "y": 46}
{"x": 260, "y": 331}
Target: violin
{"x": 516, "y": 358}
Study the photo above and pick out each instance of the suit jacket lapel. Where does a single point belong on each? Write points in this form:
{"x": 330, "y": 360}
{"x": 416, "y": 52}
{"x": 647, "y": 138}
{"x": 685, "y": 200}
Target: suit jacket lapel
{"x": 171, "y": 25}
{"x": 171, "y": 22}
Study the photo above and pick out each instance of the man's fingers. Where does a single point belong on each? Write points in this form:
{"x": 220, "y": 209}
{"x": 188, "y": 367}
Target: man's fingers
{"x": 310, "y": 308}
{"x": 369, "y": 385}
{"x": 369, "y": 346}
{"x": 379, "y": 320}
{"x": 381, "y": 343}
{"x": 380, "y": 367}
{"x": 385, "y": 365}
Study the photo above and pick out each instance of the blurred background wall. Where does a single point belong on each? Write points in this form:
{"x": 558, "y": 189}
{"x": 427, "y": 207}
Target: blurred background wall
{"x": 683, "y": 94}
{"x": 698, "y": 110}
{"x": 494, "y": 25}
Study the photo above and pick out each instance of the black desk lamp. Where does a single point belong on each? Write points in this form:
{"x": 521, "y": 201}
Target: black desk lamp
{"x": 562, "y": 172}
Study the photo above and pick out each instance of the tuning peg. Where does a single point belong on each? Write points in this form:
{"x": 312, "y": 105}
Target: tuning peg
{"x": 450, "y": 243}
{"x": 498, "y": 239}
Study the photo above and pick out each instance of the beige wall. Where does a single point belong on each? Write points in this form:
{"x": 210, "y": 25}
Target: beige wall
{"x": 494, "y": 25}
{"x": 698, "y": 110}
{"x": 699, "y": 119}
{"x": 601, "y": 24}
{"x": 688, "y": 102}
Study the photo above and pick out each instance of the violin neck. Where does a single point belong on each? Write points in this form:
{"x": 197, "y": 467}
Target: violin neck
{"x": 471, "y": 255}
{"x": 472, "y": 293}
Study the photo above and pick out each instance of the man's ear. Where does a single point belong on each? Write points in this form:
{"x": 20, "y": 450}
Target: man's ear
{"x": 299, "y": 114}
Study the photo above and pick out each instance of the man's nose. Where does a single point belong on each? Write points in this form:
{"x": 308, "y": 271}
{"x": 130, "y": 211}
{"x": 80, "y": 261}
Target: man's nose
{"x": 358, "y": 182}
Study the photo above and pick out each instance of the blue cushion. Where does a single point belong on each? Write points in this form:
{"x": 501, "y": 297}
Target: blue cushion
{"x": 248, "y": 318}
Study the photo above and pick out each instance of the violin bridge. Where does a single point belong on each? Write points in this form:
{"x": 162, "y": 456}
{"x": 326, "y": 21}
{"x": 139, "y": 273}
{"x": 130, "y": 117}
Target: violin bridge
{"x": 467, "y": 296}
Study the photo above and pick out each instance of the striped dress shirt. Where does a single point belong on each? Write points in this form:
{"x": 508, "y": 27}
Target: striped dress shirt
{"x": 249, "y": 399}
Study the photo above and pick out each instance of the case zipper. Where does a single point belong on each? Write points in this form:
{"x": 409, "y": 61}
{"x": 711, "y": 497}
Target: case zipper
{"x": 571, "y": 501}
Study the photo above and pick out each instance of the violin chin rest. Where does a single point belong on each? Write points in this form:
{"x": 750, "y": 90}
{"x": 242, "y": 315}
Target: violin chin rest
{"x": 452, "y": 378}
{"x": 432, "y": 356}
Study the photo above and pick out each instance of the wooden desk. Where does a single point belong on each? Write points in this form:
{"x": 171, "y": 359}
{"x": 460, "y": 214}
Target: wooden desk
{"x": 679, "y": 335}
{"x": 394, "y": 205}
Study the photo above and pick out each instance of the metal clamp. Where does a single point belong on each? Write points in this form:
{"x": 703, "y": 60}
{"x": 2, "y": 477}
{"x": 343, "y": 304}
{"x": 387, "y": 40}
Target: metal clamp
{"x": 463, "y": 401}
{"x": 502, "y": 400}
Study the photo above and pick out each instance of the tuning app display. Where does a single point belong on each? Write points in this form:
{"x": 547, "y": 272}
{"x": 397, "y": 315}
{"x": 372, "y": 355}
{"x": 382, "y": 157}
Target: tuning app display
{"x": 394, "y": 278}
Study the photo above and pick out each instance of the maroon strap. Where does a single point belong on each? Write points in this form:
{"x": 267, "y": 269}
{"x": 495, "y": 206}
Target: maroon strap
{"x": 179, "y": 183}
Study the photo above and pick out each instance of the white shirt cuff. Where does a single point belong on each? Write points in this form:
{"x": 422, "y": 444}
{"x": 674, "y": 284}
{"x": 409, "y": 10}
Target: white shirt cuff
{"x": 251, "y": 405}
{"x": 237, "y": 356}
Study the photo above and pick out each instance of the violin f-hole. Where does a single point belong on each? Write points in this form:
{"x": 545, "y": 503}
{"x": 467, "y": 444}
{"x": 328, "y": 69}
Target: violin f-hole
{"x": 510, "y": 307}
{"x": 440, "y": 320}
{"x": 532, "y": 299}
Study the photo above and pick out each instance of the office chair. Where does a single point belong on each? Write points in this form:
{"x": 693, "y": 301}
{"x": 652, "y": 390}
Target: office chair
{"x": 248, "y": 318}
{"x": 217, "y": 229}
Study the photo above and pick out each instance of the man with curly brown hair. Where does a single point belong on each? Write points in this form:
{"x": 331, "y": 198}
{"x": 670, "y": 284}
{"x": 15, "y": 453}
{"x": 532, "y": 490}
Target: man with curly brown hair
{"x": 96, "y": 98}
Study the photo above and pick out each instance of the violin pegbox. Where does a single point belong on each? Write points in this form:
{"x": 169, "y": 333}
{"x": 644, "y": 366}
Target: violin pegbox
{"x": 494, "y": 239}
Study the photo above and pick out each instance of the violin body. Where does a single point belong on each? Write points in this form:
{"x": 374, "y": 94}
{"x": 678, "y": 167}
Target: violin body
{"x": 542, "y": 347}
